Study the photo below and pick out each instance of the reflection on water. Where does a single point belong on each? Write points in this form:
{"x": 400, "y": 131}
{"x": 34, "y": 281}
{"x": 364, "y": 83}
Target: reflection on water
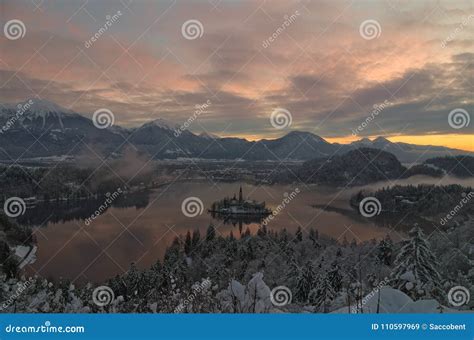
{"x": 238, "y": 220}
{"x": 140, "y": 229}
{"x": 63, "y": 211}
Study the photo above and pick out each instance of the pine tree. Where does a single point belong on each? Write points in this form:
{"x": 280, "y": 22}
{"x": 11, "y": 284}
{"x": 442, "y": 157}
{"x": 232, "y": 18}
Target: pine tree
{"x": 210, "y": 233}
{"x": 174, "y": 264}
{"x": 298, "y": 235}
{"x": 262, "y": 231}
{"x": 335, "y": 277}
{"x": 322, "y": 295}
{"x": 188, "y": 243}
{"x": 196, "y": 239}
{"x": 132, "y": 280}
{"x": 284, "y": 236}
{"x": 305, "y": 282}
{"x": 314, "y": 237}
{"x": 415, "y": 257}
{"x": 246, "y": 233}
{"x": 257, "y": 295}
{"x": 385, "y": 250}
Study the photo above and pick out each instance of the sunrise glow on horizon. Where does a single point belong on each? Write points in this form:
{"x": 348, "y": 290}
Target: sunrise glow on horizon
{"x": 460, "y": 142}
{"x": 333, "y": 66}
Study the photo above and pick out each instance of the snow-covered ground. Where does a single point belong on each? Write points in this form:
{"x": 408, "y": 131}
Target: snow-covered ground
{"x": 26, "y": 254}
{"x": 394, "y": 301}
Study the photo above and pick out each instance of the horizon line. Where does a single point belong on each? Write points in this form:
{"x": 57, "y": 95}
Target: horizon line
{"x": 460, "y": 142}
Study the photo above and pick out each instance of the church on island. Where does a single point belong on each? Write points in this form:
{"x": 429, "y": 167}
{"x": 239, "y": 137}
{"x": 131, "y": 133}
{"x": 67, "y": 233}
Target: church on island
{"x": 234, "y": 206}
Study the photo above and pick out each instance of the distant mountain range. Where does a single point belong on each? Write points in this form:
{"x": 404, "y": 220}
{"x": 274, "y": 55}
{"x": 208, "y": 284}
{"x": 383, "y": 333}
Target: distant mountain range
{"x": 45, "y": 129}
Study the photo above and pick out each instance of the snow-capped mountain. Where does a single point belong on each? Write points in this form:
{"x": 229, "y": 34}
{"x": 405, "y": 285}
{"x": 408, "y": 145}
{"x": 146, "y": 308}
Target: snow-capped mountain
{"x": 35, "y": 110}
{"x": 36, "y": 107}
{"x": 40, "y": 128}
{"x": 208, "y": 135}
{"x": 163, "y": 124}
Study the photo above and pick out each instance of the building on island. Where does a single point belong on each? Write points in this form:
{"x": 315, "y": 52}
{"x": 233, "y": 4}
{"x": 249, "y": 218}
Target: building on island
{"x": 239, "y": 206}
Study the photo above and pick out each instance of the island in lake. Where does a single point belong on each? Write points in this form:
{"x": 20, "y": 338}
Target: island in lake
{"x": 239, "y": 207}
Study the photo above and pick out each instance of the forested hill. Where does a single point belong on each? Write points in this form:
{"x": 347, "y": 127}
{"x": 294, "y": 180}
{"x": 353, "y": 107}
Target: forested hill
{"x": 442, "y": 206}
{"x": 459, "y": 166}
{"x": 356, "y": 167}
{"x": 366, "y": 165}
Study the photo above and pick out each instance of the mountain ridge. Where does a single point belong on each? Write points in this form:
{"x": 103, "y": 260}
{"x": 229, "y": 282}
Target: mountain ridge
{"x": 45, "y": 129}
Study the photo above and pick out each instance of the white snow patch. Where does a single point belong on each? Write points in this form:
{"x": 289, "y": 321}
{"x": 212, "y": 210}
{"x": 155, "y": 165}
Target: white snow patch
{"x": 21, "y": 251}
{"x": 394, "y": 301}
{"x": 26, "y": 254}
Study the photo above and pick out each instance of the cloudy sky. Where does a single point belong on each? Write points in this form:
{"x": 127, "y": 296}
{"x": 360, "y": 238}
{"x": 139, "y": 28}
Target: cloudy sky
{"x": 327, "y": 63}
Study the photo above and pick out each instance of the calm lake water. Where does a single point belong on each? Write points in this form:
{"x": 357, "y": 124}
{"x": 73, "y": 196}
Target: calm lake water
{"x": 70, "y": 249}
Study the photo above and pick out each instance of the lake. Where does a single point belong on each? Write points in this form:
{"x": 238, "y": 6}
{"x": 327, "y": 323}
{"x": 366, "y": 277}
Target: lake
{"x": 141, "y": 232}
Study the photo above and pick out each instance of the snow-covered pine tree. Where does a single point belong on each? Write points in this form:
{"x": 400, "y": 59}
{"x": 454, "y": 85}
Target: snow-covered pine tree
{"x": 335, "y": 277}
{"x": 174, "y": 264}
{"x": 196, "y": 239}
{"x": 415, "y": 269}
{"x": 284, "y": 237}
{"x": 257, "y": 295}
{"x": 314, "y": 236}
{"x": 385, "y": 250}
{"x": 210, "y": 233}
{"x": 305, "y": 282}
{"x": 132, "y": 280}
{"x": 322, "y": 295}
